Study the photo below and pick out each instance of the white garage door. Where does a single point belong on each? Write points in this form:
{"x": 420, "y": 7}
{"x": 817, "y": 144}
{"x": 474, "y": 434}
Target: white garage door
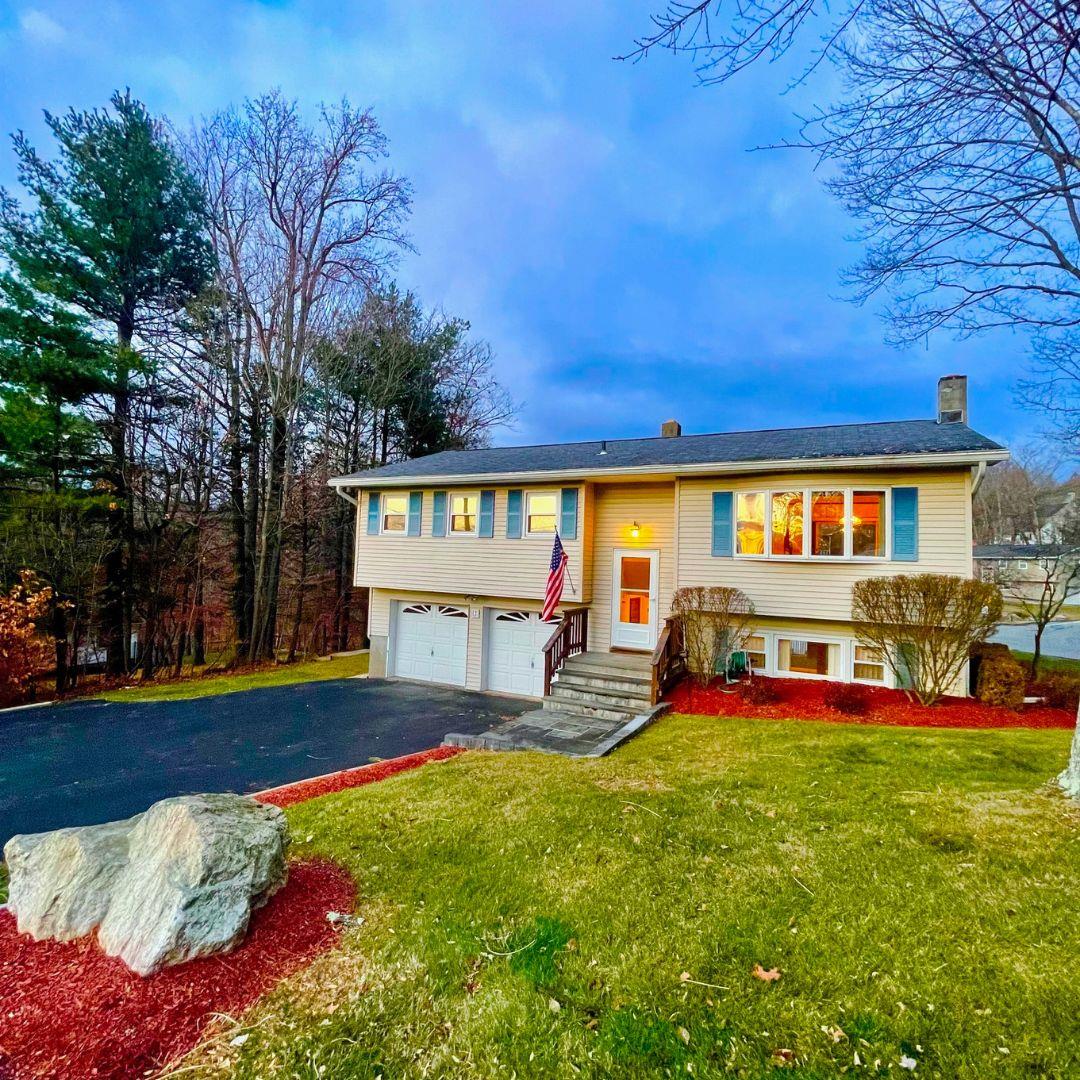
{"x": 515, "y": 658}
{"x": 431, "y": 642}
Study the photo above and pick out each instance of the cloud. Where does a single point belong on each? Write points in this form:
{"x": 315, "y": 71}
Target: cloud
{"x": 40, "y": 28}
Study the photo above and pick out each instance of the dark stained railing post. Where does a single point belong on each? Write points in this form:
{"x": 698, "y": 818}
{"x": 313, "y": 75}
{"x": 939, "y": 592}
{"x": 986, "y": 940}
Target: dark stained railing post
{"x": 570, "y": 638}
{"x": 667, "y": 658}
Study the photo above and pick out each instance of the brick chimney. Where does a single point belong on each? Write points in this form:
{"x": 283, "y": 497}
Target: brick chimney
{"x": 952, "y": 399}
{"x": 670, "y": 429}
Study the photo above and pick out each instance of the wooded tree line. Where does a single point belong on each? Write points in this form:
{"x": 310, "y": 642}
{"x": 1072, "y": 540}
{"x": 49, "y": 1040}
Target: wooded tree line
{"x": 198, "y": 329}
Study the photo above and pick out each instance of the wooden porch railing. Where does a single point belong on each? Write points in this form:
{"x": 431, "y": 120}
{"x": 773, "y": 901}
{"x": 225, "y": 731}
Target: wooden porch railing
{"x": 570, "y": 638}
{"x": 668, "y": 662}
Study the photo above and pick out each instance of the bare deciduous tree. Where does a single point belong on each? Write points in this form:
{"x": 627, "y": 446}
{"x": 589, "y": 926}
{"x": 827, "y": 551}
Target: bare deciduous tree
{"x": 302, "y": 220}
{"x": 956, "y": 140}
{"x": 716, "y": 621}
{"x": 925, "y": 625}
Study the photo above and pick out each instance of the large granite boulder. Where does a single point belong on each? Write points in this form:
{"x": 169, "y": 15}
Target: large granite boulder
{"x": 177, "y": 882}
{"x": 197, "y": 867}
{"x": 61, "y": 883}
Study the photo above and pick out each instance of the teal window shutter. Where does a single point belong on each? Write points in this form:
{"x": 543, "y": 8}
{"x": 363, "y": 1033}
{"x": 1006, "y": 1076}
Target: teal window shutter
{"x": 568, "y": 514}
{"x": 416, "y": 505}
{"x": 905, "y": 524}
{"x": 723, "y": 545}
{"x": 487, "y": 513}
{"x": 373, "y": 513}
{"x": 438, "y": 514}
{"x": 513, "y": 514}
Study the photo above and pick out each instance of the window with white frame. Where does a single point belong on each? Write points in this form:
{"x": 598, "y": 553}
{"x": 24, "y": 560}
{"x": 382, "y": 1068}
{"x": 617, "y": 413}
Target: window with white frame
{"x": 755, "y": 652}
{"x": 814, "y": 523}
{"x": 787, "y": 523}
{"x": 868, "y": 664}
{"x": 463, "y": 511}
{"x": 395, "y": 513}
{"x": 750, "y": 523}
{"x": 807, "y": 657}
{"x": 541, "y": 510}
{"x": 868, "y": 524}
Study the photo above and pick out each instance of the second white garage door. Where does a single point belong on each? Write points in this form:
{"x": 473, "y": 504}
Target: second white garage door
{"x": 515, "y": 658}
{"x": 431, "y": 643}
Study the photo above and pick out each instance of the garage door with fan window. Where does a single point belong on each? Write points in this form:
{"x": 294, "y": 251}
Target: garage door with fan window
{"x": 431, "y": 643}
{"x": 515, "y": 656}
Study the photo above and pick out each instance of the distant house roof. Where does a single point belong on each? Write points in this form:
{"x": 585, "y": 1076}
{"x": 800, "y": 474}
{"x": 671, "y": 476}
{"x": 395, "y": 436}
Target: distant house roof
{"x": 898, "y": 438}
{"x": 1008, "y": 552}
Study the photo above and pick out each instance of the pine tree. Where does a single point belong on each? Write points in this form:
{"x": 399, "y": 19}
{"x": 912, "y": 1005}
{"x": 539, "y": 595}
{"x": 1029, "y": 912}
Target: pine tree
{"x": 116, "y": 235}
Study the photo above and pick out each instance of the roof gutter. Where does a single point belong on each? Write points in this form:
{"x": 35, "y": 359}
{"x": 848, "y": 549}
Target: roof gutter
{"x": 973, "y": 458}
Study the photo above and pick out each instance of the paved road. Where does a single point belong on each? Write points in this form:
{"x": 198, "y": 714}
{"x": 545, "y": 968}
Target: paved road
{"x": 1059, "y": 639}
{"x": 86, "y": 762}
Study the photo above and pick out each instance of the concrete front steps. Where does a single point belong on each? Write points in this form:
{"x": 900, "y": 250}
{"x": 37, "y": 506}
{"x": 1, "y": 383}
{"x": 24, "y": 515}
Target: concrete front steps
{"x": 597, "y": 702}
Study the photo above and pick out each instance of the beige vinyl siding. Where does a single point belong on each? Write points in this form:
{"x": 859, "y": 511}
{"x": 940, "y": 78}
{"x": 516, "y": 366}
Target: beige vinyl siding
{"x": 383, "y": 600}
{"x": 467, "y": 565}
{"x": 616, "y": 507}
{"x": 817, "y": 589}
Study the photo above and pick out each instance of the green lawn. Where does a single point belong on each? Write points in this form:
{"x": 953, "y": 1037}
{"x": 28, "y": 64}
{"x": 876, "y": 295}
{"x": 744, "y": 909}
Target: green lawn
{"x": 207, "y": 685}
{"x": 531, "y": 916}
{"x": 1049, "y": 663}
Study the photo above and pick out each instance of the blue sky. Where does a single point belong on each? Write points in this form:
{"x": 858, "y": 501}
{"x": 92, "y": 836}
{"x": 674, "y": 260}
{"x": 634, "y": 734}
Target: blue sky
{"x": 602, "y": 224}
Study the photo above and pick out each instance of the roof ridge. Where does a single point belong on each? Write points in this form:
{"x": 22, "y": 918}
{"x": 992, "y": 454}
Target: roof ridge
{"x": 695, "y": 435}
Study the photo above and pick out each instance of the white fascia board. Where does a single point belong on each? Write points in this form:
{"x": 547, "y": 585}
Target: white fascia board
{"x": 718, "y": 468}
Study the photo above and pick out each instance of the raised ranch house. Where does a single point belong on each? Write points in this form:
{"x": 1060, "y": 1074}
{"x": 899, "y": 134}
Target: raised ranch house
{"x": 455, "y": 546}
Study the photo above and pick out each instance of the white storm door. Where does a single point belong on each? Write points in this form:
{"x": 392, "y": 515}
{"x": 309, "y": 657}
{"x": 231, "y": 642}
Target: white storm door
{"x": 634, "y": 596}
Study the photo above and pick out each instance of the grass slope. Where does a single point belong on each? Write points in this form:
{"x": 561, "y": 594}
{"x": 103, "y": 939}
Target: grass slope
{"x": 531, "y": 916}
{"x": 209, "y": 685}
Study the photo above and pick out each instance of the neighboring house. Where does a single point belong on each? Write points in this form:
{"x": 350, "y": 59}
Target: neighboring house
{"x": 455, "y": 546}
{"x": 1056, "y": 511}
{"x": 1029, "y": 569}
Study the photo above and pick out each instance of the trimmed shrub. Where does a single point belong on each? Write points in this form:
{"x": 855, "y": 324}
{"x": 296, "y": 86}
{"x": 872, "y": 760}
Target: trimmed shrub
{"x": 848, "y": 698}
{"x": 1058, "y": 689}
{"x": 1001, "y": 682}
{"x": 759, "y": 692}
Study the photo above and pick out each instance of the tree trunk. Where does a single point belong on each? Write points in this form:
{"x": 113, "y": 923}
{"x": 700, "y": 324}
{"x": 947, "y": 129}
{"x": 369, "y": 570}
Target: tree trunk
{"x": 268, "y": 570}
{"x": 198, "y": 647}
{"x": 1037, "y": 654}
{"x": 1070, "y": 778}
{"x": 119, "y": 522}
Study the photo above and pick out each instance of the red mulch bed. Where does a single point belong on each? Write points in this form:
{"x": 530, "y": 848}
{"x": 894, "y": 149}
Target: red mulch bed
{"x": 68, "y": 1011}
{"x": 803, "y": 699}
{"x": 350, "y": 778}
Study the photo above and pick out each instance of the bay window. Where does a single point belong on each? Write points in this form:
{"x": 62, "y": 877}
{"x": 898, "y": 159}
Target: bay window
{"x": 816, "y": 523}
{"x": 750, "y": 523}
{"x": 395, "y": 513}
{"x": 463, "y": 509}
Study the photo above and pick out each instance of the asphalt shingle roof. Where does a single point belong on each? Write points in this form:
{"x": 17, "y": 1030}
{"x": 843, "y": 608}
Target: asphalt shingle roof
{"x": 781, "y": 444}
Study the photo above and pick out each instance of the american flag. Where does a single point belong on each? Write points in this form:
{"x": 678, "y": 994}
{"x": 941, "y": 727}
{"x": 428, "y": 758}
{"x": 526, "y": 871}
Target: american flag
{"x": 556, "y": 574}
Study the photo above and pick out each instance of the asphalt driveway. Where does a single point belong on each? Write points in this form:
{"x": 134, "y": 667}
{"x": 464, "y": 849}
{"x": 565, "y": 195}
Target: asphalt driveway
{"x": 87, "y": 762}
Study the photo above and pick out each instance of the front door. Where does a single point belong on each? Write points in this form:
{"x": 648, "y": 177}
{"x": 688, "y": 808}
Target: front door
{"x": 633, "y": 599}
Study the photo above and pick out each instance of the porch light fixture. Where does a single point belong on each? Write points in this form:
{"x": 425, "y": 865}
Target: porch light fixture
{"x": 635, "y": 530}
